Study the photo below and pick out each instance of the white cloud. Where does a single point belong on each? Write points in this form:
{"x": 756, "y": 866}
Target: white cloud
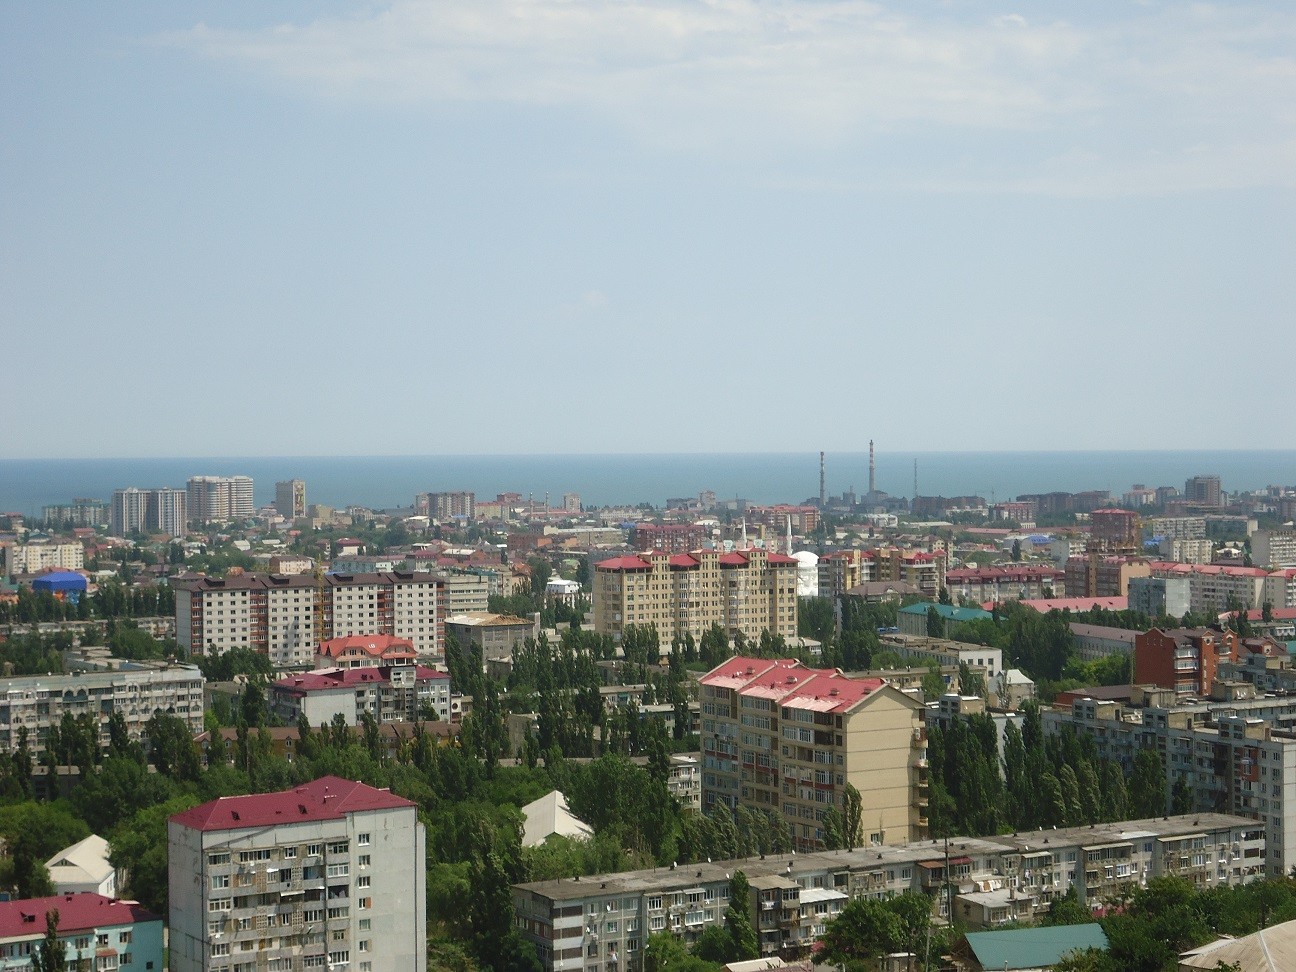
{"x": 1181, "y": 97}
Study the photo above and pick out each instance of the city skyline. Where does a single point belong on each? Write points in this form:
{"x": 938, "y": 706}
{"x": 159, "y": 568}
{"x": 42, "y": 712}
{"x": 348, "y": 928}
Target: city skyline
{"x": 526, "y": 220}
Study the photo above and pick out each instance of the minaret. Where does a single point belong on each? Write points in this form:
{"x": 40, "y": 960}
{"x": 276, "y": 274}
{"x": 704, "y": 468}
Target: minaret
{"x": 823, "y": 493}
{"x": 915, "y": 477}
{"x": 744, "y": 533}
{"x": 872, "y": 471}
{"x": 788, "y": 549}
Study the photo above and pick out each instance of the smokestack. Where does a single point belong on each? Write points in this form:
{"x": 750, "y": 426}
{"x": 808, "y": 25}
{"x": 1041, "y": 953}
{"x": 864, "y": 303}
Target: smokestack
{"x": 823, "y": 493}
{"x": 872, "y": 471}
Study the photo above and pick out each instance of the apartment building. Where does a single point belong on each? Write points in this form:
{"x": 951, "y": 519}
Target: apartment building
{"x": 1280, "y": 588}
{"x": 330, "y": 875}
{"x": 219, "y": 499}
{"x": 942, "y": 652}
{"x": 779, "y": 736}
{"x": 748, "y": 591}
{"x": 284, "y": 616}
{"x": 446, "y": 506}
{"x": 1213, "y": 588}
{"x": 1115, "y": 529}
{"x": 81, "y": 512}
{"x": 676, "y": 538}
{"x": 842, "y": 570}
{"x": 30, "y": 558}
{"x": 494, "y": 635}
{"x": 149, "y": 511}
{"x": 1016, "y": 582}
{"x": 136, "y": 690}
{"x": 1274, "y": 549}
{"x": 1158, "y": 596}
{"x": 1177, "y": 527}
{"x": 403, "y": 692}
{"x": 685, "y": 781}
{"x": 97, "y": 932}
{"x": 290, "y": 498}
{"x": 1232, "y": 755}
{"x": 1094, "y": 641}
{"x": 1183, "y": 659}
{"x": 803, "y": 519}
{"x": 602, "y": 922}
{"x": 1204, "y": 491}
{"x": 1096, "y": 575}
{"x": 1187, "y": 551}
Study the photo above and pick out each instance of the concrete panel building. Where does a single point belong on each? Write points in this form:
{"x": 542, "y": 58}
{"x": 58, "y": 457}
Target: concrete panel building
{"x": 135, "y": 689}
{"x": 328, "y": 875}
{"x": 605, "y": 920}
{"x": 1157, "y": 596}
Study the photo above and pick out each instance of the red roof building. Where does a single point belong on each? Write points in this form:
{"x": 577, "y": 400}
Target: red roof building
{"x": 780, "y": 737}
{"x": 331, "y": 845}
{"x": 365, "y": 651}
{"x": 102, "y": 931}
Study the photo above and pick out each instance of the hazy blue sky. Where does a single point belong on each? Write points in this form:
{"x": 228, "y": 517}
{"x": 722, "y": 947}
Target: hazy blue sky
{"x": 586, "y": 226}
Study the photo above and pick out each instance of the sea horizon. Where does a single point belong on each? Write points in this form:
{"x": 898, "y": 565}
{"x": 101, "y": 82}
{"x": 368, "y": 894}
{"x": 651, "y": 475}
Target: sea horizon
{"x": 613, "y": 479}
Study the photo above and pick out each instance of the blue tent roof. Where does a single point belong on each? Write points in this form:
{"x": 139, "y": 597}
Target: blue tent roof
{"x": 1033, "y": 948}
{"x": 59, "y": 580}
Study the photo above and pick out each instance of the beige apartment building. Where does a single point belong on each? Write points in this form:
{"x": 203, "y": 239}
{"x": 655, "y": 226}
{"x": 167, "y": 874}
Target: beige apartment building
{"x": 749, "y": 591}
{"x": 29, "y": 558}
{"x": 777, "y": 735}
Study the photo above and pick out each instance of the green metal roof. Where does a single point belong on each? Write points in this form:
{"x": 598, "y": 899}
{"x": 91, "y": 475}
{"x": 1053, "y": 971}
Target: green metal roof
{"x": 948, "y": 611}
{"x": 1033, "y": 948}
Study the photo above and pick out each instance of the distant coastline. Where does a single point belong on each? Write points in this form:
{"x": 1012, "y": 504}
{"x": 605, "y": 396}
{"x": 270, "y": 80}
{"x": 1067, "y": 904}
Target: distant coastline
{"x": 390, "y": 481}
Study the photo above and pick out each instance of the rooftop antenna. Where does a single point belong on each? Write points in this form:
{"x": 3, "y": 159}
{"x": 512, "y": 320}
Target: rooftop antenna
{"x": 823, "y": 494}
{"x": 872, "y": 471}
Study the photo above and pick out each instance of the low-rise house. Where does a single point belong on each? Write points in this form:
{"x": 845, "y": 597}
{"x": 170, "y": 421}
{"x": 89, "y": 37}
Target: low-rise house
{"x": 84, "y": 866}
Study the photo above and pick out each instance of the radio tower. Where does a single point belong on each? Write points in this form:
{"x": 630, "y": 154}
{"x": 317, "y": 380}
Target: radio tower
{"x": 823, "y": 493}
{"x": 872, "y": 471}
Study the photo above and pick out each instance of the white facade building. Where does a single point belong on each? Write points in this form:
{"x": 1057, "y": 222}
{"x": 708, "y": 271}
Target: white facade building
{"x": 28, "y": 558}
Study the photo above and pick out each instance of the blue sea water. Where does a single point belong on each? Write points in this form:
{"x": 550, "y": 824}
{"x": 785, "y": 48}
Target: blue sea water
{"x": 383, "y": 482}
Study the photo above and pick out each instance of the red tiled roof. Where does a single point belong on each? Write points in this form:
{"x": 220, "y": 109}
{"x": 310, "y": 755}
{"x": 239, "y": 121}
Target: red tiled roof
{"x": 777, "y": 558}
{"x": 328, "y": 798}
{"x": 732, "y": 560}
{"x": 788, "y": 682}
{"x": 25, "y": 918}
{"x": 683, "y": 560}
{"x": 376, "y": 645}
{"x": 623, "y": 563}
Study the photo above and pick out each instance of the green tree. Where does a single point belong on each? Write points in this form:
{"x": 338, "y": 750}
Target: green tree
{"x": 935, "y": 623}
{"x": 738, "y": 919}
{"x": 51, "y": 956}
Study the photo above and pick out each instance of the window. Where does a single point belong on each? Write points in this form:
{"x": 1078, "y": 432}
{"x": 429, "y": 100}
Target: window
{"x": 364, "y": 860}
{"x": 289, "y": 853}
{"x": 314, "y": 850}
{"x": 362, "y": 882}
{"x": 219, "y": 881}
{"x": 365, "y": 923}
{"x": 362, "y": 945}
{"x": 217, "y": 859}
{"x": 362, "y": 840}
{"x": 364, "y": 904}
{"x": 125, "y": 937}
